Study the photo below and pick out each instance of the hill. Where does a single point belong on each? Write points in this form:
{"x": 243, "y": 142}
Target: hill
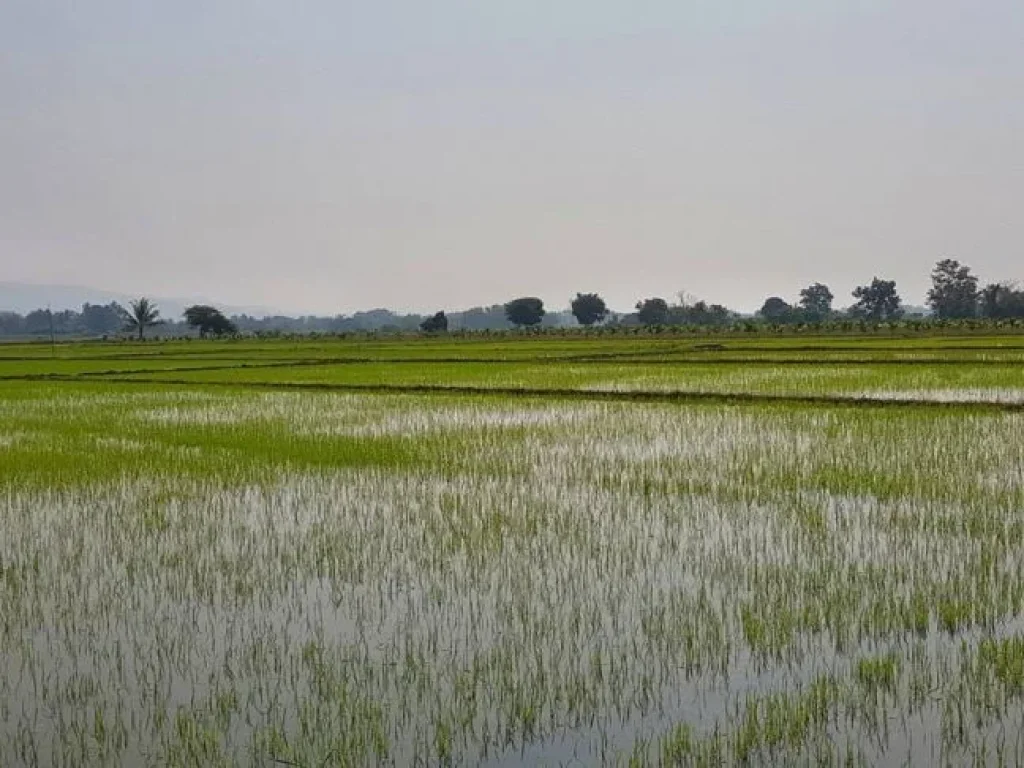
{"x": 25, "y": 297}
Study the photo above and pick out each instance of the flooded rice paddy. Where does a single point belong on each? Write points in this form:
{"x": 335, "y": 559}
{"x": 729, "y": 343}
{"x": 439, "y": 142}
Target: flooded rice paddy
{"x": 202, "y": 576}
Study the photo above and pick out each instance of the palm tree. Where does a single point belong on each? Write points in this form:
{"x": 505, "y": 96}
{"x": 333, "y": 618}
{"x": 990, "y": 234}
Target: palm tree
{"x": 141, "y": 315}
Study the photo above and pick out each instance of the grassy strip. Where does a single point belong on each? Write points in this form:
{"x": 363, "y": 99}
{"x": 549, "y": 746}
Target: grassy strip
{"x": 516, "y": 343}
{"x": 660, "y": 362}
{"x": 561, "y": 393}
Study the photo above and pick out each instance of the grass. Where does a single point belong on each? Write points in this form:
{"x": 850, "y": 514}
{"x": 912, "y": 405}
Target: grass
{"x": 974, "y": 369}
{"x": 993, "y": 382}
{"x": 192, "y": 574}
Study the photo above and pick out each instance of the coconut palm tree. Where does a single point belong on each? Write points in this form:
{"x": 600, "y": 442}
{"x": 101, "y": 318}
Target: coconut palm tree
{"x": 142, "y": 314}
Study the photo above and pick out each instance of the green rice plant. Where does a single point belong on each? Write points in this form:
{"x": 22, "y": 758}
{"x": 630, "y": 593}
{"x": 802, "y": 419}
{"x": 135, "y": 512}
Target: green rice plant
{"x": 878, "y": 674}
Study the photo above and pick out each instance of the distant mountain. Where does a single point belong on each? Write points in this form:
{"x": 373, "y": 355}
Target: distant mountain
{"x": 25, "y": 297}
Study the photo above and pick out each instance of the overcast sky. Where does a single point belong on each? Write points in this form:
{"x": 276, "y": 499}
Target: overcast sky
{"x": 330, "y": 156}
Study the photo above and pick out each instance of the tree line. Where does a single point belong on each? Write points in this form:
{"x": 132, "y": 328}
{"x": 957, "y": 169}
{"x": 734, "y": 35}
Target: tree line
{"x": 137, "y": 318}
{"x": 209, "y": 321}
{"x": 955, "y": 294}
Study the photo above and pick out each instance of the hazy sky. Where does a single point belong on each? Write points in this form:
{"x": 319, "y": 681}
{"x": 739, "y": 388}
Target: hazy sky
{"x": 330, "y": 155}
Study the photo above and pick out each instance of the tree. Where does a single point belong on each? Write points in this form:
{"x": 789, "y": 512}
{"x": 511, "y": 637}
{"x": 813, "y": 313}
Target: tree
{"x": 776, "y": 310}
{"x": 589, "y": 308}
{"x": 100, "y": 320}
{"x": 528, "y": 310}
{"x": 209, "y": 320}
{"x": 65, "y": 321}
{"x": 38, "y": 322}
{"x": 652, "y": 311}
{"x": 11, "y": 324}
{"x": 1001, "y": 301}
{"x": 690, "y": 312}
{"x": 816, "y": 301}
{"x": 877, "y": 301}
{"x": 437, "y": 323}
{"x": 954, "y": 291}
{"x": 140, "y": 315}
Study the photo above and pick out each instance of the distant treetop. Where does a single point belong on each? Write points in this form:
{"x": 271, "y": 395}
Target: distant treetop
{"x": 209, "y": 320}
{"x": 589, "y": 308}
{"x": 525, "y": 311}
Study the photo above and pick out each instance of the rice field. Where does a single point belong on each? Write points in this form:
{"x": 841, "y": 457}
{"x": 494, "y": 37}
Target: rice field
{"x": 512, "y": 552}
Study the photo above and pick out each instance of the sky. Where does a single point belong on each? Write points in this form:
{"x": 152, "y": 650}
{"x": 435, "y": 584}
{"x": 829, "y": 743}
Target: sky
{"x": 328, "y": 156}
